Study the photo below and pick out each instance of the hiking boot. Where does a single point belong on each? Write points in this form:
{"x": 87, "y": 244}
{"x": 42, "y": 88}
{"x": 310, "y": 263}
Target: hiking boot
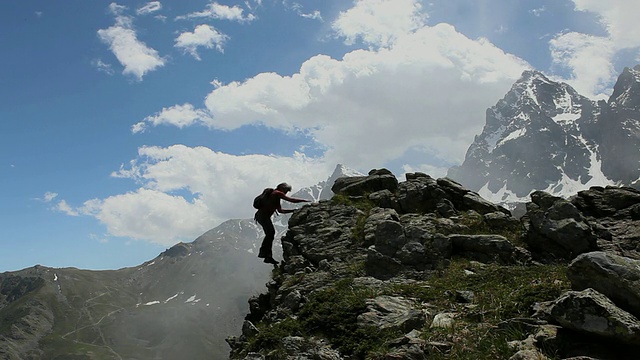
{"x": 270, "y": 260}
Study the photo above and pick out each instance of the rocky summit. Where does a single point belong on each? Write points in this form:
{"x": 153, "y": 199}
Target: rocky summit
{"x": 427, "y": 269}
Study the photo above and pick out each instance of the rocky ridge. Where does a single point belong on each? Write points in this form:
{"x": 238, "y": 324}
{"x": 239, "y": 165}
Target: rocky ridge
{"x": 425, "y": 268}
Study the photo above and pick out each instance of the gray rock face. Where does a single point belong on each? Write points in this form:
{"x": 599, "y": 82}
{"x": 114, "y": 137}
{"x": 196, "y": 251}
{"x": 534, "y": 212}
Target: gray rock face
{"x": 616, "y": 277}
{"x": 359, "y": 185}
{"x": 389, "y": 312}
{"x": 614, "y": 213}
{"x": 556, "y": 229}
{"x": 484, "y": 248}
{"x": 590, "y": 312}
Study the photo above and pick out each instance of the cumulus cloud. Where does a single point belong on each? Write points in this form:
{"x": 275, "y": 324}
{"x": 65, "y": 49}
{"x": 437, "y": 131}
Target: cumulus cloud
{"x": 589, "y": 57}
{"x": 122, "y": 39}
{"x": 178, "y": 115}
{"x": 214, "y": 10}
{"x": 429, "y": 90}
{"x": 202, "y": 36}
{"x": 149, "y": 8}
{"x": 186, "y": 191}
{"x": 379, "y": 22}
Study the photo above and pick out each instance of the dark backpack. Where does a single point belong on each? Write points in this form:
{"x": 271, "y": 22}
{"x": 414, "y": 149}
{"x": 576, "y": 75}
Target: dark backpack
{"x": 261, "y": 200}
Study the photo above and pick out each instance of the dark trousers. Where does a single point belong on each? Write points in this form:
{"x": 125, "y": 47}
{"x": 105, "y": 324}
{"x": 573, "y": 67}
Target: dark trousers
{"x": 269, "y": 234}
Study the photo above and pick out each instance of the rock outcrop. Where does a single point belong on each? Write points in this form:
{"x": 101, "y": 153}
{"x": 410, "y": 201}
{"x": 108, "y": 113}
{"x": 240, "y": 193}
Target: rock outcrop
{"x": 379, "y": 270}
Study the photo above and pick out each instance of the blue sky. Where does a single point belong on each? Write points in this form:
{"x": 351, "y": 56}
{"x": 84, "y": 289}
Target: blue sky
{"x": 127, "y": 127}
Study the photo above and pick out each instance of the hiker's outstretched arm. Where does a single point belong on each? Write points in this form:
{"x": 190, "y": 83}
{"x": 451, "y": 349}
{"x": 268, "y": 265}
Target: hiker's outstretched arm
{"x": 293, "y": 200}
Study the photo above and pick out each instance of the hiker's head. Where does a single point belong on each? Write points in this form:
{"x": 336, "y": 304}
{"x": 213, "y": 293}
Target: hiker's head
{"x": 284, "y": 187}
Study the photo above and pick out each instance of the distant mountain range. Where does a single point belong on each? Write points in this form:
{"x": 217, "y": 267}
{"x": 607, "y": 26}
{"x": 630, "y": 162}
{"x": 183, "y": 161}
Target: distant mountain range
{"x": 180, "y": 305}
{"x": 543, "y": 135}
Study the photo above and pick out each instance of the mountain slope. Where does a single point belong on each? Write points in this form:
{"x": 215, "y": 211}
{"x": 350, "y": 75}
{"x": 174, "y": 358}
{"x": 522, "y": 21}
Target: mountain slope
{"x": 543, "y": 135}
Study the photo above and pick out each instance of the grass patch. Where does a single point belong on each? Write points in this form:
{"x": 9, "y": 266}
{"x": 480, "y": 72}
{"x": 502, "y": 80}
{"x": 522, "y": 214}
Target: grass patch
{"x": 500, "y": 293}
{"x": 361, "y": 203}
{"x": 476, "y": 225}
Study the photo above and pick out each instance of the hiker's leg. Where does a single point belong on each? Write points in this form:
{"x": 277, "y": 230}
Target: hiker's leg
{"x": 270, "y": 233}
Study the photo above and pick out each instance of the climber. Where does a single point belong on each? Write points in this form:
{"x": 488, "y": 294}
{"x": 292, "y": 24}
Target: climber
{"x": 268, "y": 205}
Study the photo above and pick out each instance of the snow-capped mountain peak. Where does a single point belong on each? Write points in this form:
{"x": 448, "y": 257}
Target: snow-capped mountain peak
{"x": 544, "y": 135}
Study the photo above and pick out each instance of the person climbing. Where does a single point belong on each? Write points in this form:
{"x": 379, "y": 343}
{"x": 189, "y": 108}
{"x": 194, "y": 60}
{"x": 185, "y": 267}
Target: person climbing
{"x": 267, "y": 204}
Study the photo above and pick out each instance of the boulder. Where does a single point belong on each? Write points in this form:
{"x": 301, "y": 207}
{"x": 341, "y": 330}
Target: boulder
{"x": 392, "y": 312}
{"x": 361, "y": 185}
{"x": 383, "y": 230}
{"x": 605, "y": 201}
{"x": 483, "y": 248}
{"x": 616, "y": 277}
{"x": 555, "y": 229}
{"x": 591, "y": 312}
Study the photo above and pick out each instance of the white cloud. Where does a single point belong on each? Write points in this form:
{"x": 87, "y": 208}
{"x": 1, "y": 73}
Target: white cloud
{"x": 431, "y": 87}
{"x": 102, "y": 66}
{"x": 219, "y": 187}
{"x": 64, "y": 207}
{"x": 149, "y": 8}
{"x": 220, "y": 12}
{"x": 379, "y": 22}
{"x": 136, "y": 57}
{"x": 589, "y": 57}
{"x": 314, "y": 15}
{"x": 178, "y": 115}
{"x": 202, "y": 36}
{"x": 50, "y": 196}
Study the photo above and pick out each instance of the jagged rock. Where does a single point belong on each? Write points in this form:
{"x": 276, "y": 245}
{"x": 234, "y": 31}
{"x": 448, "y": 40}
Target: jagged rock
{"x": 445, "y": 208}
{"x": 616, "y": 277}
{"x": 605, "y": 201}
{"x": 473, "y": 201}
{"x": 483, "y": 248}
{"x": 254, "y": 356}
{"x": 614, "y": 213}
{"x": 417, "y": 194}
{"x": 428, "y": 230}
{"x": 300, "y": 348}
{"x": 385, "y": 199}
{"x": 591, "y": 312}
{"x": 555, "y": 229}
{"x": 464, "y": 296}
{"x": 408, "y": 347}
{"x": 383, "y": 230}
{"x": 390, "y": 312}
{"x": 360, "y": 185}
{"x": 293, "y": 300}
{"x": 322, "y": 232}
{"x": 500, "y": 220}
{"x": 381, "y": 266}
{"x": 528, "y": 354}
{"x": 248, "y": 329}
